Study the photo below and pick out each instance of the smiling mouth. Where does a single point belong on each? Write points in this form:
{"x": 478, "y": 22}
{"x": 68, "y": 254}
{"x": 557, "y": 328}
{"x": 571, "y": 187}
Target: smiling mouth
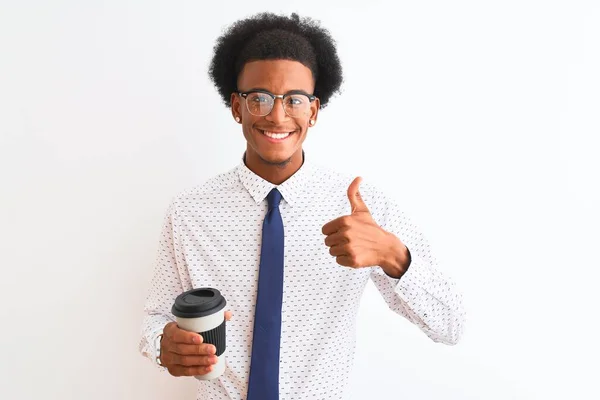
{"x": 277, "y": 136}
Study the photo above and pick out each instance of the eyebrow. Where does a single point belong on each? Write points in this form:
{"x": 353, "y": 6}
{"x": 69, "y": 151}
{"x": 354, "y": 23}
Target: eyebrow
{"x": 294, "y": 91}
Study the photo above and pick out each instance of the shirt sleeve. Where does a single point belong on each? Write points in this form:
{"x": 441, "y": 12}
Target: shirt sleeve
{"x": 165, "y": 286}
{"x": 424, "y": 295}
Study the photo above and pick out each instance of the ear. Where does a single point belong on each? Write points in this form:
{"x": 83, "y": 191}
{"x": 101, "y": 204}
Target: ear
{"x": 314, "y": 109}
{"x": 236, "y": 109}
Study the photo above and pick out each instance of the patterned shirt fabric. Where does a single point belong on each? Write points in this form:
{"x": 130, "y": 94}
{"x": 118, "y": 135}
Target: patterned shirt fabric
{"x": 212, "y": 238}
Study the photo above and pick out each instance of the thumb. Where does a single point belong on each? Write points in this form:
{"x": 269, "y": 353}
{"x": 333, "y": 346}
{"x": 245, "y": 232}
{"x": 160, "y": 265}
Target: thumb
{"x": 356, "y": 201}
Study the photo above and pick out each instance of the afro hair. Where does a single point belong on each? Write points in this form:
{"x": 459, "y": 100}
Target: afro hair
{"x": 268, "y": 36}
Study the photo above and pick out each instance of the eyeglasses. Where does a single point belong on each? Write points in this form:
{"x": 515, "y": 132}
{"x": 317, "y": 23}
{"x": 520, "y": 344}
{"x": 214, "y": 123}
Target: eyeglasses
{"x": 295, "y": 103}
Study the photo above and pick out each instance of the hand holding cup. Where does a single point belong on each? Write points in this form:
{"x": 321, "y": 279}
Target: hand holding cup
{"x": 184, "y": 353}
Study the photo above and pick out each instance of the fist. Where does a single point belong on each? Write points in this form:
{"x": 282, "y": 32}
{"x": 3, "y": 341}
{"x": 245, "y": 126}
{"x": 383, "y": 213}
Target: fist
{"x": 184, "y": 353}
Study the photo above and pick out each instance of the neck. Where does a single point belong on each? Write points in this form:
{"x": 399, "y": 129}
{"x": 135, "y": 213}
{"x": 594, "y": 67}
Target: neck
{"x": 274, "y": 173}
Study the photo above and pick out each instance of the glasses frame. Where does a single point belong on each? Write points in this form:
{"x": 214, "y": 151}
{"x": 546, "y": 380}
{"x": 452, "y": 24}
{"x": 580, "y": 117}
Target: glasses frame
{"x": 311, "y": 98}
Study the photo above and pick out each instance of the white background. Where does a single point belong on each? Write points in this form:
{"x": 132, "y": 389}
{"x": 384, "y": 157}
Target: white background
{"x": 482, "y": 116}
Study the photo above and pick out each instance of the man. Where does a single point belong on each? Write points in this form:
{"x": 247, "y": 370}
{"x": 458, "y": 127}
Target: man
{"x": 290, "y": 245}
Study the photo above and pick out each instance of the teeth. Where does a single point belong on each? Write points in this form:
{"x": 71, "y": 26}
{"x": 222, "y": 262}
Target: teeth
{"x": 277, "y": 135}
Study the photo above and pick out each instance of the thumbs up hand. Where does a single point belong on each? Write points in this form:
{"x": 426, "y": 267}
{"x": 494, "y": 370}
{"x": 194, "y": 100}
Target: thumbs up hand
{"x": 357, "y": 241}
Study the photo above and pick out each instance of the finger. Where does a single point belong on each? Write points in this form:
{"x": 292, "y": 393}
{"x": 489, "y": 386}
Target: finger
{"x": 356, "y": 201}
{"x": 336, "y": 225}
{"x": 192, "y": 349}
{"x": 346, "y": 261}
{"x": 337, "y": 251}
{"x": 340, "y": 237}
{"x": 228, "y": 315}
{"x": 189, "y": 361}
{"x": 180, "y": 370}
{"x": 177, "y": 335}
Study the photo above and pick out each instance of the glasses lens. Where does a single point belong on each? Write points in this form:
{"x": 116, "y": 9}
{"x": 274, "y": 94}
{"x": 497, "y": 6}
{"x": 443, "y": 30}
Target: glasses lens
{"x": 297, "y": 105}
{"x": 259, "y": 104}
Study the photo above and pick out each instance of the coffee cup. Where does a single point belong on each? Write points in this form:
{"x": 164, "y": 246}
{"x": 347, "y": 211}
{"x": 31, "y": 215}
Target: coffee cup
{"x": 202, "y": 311}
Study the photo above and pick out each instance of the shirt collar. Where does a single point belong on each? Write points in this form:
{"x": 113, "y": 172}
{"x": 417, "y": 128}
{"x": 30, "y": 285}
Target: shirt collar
{"x": 259, "y": 188}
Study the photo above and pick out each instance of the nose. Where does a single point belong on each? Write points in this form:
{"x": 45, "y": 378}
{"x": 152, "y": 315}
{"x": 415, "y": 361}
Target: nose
{"x": 277, "y": 114}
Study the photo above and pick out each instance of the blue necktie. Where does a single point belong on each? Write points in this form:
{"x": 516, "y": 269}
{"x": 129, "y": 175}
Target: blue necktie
{"x": 264, "y": 364}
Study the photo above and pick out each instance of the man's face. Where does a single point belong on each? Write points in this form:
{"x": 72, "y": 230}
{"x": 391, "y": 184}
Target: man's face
{"x": 277, "y": 77}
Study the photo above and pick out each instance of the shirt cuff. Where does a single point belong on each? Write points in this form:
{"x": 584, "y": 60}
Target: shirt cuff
{"x": 418, "y": 276}
{"x": 155, "y": 337}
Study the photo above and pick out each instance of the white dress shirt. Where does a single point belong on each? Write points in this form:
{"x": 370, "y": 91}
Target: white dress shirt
{"x": 212, "y": 238}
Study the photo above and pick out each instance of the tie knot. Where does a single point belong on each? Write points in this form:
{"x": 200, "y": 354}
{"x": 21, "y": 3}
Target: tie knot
{"x": 274, "y": 197}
